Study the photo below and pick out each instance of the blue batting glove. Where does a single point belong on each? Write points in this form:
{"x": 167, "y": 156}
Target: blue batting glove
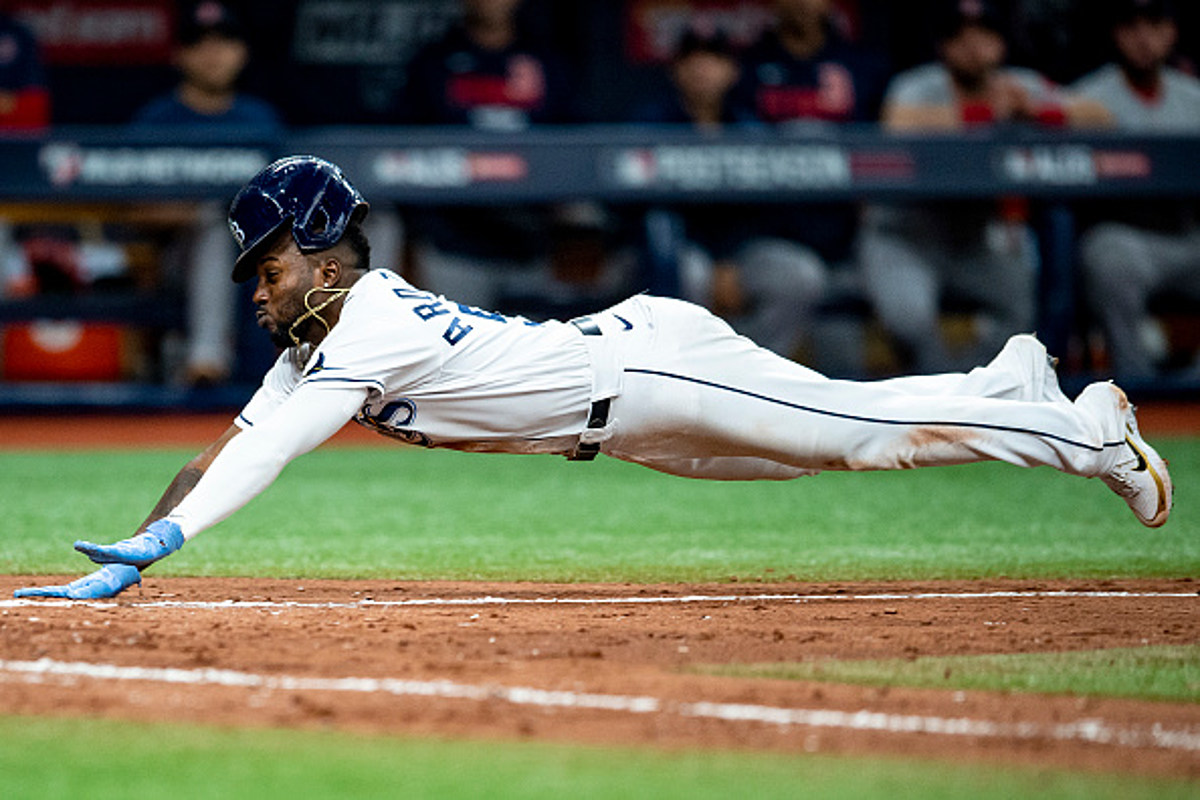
{"x": 159, "y": 540}
{"x": 108, "y": 581}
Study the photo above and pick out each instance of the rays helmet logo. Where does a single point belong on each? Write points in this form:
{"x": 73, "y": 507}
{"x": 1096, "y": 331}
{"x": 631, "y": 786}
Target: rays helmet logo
{"x": 238, "y": 233}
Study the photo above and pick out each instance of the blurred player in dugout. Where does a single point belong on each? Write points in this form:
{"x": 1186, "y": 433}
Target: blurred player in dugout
{"x": 763, "y": 298}
{"x": 975, "y": 256}
{"x": 24, "y": 108}
{"x": 804, "y": 75}
{"x": 1139, "y": 252}
{"x": 489, "y": 74}
{"x": 211, "y": 55}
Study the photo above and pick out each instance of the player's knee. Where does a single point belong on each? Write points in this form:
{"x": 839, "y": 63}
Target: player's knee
{"x": 1109, "y": 255}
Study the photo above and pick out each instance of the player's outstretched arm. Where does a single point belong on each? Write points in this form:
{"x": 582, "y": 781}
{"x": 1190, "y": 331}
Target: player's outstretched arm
{"x": 251, "y": 461}
{"x": 222, "y": 479}
{"x": 188, "y": 477}
{"x": 157, "y": 537}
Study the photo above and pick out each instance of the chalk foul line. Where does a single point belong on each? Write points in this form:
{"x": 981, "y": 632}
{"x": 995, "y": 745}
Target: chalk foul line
{"x": 590, "y": 601}
{"x": 1089, "y": 730}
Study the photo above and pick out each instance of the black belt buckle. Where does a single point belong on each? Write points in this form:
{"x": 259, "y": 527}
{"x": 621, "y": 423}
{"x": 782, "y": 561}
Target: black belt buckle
{"x": 597, "y": 418}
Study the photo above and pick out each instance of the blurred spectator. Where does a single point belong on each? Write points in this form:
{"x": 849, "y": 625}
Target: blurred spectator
{"x": 24, "y": 108}
{"x": 485, "y": 73}
{"x": 804, "y": 75}
{"x": 211, "y": 56}
{"x": 759, "y": 295}
{"x": 704, "y": 69}
{"x": 24, "y": 98}
{"x": 978, "y": 256}
{"x": 1148, "y": 248}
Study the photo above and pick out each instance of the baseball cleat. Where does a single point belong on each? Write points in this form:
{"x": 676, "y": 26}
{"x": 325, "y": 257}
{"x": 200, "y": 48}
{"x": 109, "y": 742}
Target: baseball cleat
{"x": 1140, "y": 477}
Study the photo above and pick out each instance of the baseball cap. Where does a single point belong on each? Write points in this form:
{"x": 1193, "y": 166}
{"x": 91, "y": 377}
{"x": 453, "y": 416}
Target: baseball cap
{"x": 209, "y": 17}
{"x": 1129, "y": 10}
{"x": 695, "y": 41}
{"x": 958, "y": 14}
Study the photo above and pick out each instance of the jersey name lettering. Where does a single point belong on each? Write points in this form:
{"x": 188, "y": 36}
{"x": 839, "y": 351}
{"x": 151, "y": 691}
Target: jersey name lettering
{"x": 457, "y": 330}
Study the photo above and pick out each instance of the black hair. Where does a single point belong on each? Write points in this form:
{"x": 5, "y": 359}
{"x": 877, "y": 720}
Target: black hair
{"x": 355, "y": 238}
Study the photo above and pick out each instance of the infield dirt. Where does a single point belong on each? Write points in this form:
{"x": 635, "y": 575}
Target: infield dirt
{"x": 612, "y": 641}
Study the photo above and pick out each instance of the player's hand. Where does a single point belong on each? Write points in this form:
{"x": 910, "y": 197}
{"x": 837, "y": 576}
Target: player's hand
{"x": 159, "y": 540}
{"x": 108, "y": 581}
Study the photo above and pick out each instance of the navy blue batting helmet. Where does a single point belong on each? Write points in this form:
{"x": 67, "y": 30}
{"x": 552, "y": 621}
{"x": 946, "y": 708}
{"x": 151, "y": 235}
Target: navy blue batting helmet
{"x": 307, "y": 193}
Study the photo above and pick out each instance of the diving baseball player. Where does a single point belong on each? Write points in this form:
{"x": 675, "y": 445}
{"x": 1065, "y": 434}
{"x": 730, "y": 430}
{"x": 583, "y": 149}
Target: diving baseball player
{"x": 656, "y": 381}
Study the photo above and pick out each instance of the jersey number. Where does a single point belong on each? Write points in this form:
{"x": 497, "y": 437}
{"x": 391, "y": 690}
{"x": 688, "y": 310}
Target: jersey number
{"x": 457, "y": 330}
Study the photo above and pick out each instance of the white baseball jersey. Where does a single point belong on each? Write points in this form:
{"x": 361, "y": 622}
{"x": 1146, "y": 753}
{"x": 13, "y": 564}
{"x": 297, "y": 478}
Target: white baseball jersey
{"x": 931, "y": 85}
{"x": 443, "y": 374}
{"x": 1175, "y": 108}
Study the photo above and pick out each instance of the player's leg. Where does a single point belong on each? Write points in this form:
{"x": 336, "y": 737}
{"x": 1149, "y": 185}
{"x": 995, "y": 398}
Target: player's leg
{"x": 723, "y": 469}
{"x": 996, "y": 276}
{"x": 783, "y": 283}
{"x": 903, "y": 287}
{"x": 1022, "y": 370}
{"x": 210, "y": 298}
{"x": 1119, "y": 275}
{"x": 697, "y": 391}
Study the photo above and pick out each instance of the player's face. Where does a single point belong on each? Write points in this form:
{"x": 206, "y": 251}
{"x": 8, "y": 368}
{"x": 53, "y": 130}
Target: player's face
{"x": 801, "y": 14}
{"x": 285, "y": 276}
{"x": 491, "y": 12}
{"x": 1145, "y": 44}
{"x": 213, "y": 63}
{"x": 973, "y": 54}
{"x": 705, "y": 77}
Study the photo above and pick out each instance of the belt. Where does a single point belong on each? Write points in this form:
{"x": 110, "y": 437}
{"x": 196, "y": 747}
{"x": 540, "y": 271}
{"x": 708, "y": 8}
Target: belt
{"x": 598, "y": 415}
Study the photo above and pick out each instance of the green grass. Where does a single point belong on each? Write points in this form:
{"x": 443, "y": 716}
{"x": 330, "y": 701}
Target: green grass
{"x": 1145, "y": 673}
{"x": 46, "y": 758}
{"x": 409, "y": 514}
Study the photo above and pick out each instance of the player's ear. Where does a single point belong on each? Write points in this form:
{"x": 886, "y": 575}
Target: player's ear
{"x": 331, "y": 272}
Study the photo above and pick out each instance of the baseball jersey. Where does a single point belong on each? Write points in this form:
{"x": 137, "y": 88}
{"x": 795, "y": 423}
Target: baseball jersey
{"x": 442, "y": 374}
{"x": 931, "y": 85}
{"x": 1175, "y": 108}
{"x": 246, "y": 111}
{"x": 958, "y": 223}
{"x": 841, "y": 83}
{"x": 22, "y": 75}
{"x": 454, "y": 81}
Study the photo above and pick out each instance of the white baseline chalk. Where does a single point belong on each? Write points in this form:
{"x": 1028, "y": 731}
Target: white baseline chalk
{"x": 590, "y": 601}
{"x": 1091, "y": 730}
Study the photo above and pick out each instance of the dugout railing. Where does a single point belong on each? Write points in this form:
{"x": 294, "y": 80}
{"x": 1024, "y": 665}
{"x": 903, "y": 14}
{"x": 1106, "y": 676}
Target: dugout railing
{"x": 113, "y": 173}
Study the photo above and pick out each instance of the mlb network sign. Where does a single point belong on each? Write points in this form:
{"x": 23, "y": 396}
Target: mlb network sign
{"x": 67, "y": 165}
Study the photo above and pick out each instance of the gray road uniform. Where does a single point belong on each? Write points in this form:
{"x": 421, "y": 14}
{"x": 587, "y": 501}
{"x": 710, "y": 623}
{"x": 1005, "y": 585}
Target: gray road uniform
{"x": 1144, "y": 249}
{"x": 916, "y": 257}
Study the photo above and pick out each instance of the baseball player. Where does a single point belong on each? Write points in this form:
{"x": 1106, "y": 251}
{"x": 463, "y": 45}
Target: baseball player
{"x": 652, "y": 380}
